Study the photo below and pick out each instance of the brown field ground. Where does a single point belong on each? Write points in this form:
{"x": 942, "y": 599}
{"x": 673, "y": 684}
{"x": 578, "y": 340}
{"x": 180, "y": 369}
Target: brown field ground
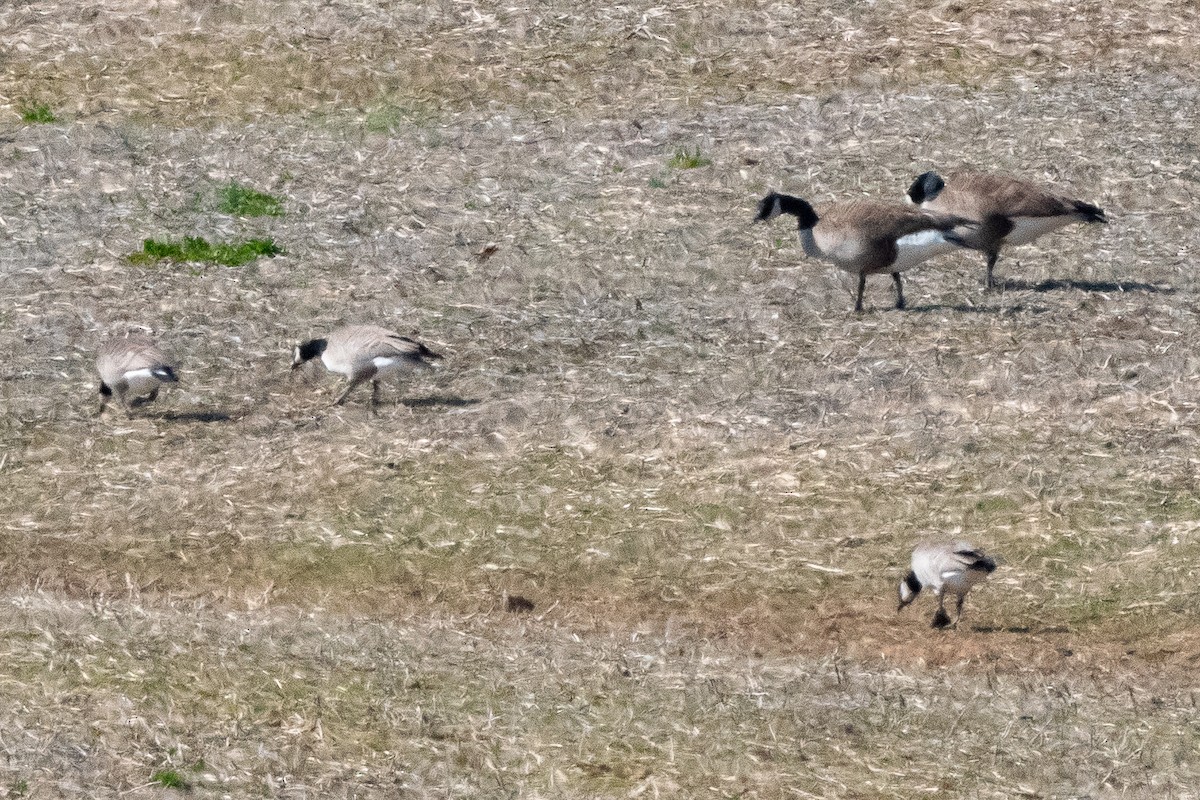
{"x": 658, "y": 424}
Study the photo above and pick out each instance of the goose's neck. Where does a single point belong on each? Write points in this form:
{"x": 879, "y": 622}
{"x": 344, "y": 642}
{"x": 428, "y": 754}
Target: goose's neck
{"x": 809, "y": 243}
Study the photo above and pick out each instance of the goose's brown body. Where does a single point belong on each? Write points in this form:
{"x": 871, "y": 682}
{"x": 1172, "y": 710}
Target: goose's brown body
{"x": 365, "y": 353}
{"x": 866, "y": 237}
{"x": 132, "y": 369}
{"x": 1008, "y": 210}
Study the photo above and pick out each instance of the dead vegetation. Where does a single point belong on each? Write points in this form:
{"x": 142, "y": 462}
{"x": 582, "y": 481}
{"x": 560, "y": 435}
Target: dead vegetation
{"x": 656, "y": 424}
{"x": 191, "y": 60}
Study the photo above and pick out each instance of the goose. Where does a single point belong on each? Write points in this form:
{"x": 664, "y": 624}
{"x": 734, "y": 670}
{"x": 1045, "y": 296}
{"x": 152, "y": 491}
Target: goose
{"x": 1008, "y": 210}
{"x": 952, "y": 567}
{"x": 867, "y": 237}
{"x": 132, "y": 369}
{"x": 364, "y": 353}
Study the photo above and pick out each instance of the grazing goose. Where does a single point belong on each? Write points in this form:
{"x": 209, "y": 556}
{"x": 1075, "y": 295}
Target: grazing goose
{"x": 1008, "y": 210}
{"x": 364, "y": 353}
{"x": 867, "y": 238}
{"x": 132, "y": 369}
{"x": 945, "y": 567}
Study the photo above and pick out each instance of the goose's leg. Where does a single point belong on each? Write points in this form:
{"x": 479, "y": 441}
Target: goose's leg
{"x": 374, "y": 394}
{"x": 350, "y": 387}
{"x": 991, "y": 281}
{"x": 962, "y": 598}
{"x": 941, "y": 619}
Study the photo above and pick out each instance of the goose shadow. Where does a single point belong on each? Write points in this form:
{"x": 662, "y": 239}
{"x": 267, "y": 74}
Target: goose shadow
{"x": 447, "y": 400}
{"x": 968, "y": 309}
{"x": 194, "y": 416}
{"x": 1058, "y": 284}
{"x": 1048, "y": 629}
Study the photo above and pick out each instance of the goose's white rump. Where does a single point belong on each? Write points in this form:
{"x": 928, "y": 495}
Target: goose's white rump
{"x": 917, "y": 247}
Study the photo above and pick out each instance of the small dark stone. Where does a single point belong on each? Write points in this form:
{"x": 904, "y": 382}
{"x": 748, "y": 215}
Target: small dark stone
{"x": 518, "y": 605}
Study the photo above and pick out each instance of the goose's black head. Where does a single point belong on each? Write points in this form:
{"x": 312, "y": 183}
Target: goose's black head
{"x": 910, "y": 587}
{"x": 307, "y": 351}
{"x": 775, "y": 204}
{"x": 768, "y": 208}
{"x": 926, "y": 187}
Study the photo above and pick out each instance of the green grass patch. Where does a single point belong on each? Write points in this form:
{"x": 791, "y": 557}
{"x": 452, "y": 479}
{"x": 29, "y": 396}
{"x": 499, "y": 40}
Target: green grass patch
{"x": 169, "y": 778}
{"x": 195, "y": 248}
{"x": 1094, "y": 610}
{"x": 688, "y": 159}
{"x": 243, "y": 201}
{"x": 387, "y": 118}
{"x": 384, "y": 119}
{"x": 997, "y": 505}
{"x": 37, "y": 113}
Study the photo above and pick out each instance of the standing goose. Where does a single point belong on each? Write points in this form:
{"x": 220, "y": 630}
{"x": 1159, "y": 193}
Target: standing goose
{"x": 867, "y": 237}
{"x": 132, "y": 369}
{"x": 364, "y": 353}
{"x": 1008, "y": 210}
{"x": 945, "y": 567}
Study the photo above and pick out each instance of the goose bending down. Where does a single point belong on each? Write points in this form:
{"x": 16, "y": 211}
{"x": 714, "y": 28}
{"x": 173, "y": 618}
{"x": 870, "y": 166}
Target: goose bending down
{"x": 132, "y": 369}
{"x": 1008, "y": 210}
{"x": 866, "y": 237}
{"x": 364, "y": 353}
{"x": 952, "y": 567}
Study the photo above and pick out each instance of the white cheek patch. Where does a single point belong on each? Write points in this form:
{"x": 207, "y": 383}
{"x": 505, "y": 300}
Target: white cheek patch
{"x": 916, "y": 247}
{"x": 1026, "y": 229}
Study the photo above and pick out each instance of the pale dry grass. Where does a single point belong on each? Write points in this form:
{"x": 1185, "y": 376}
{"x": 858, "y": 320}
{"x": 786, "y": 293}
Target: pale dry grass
{"x": 279, "y": 702}
{"x": 196, "y": 59}
{"x": 655, "y": 422}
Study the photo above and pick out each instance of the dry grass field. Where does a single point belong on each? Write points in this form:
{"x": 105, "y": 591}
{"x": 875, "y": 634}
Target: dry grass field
{"x": 639, "y": 536}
